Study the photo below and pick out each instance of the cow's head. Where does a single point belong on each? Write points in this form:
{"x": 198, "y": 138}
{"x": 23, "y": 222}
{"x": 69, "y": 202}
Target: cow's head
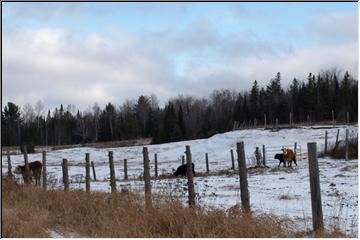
{"x": 18, "y": 170}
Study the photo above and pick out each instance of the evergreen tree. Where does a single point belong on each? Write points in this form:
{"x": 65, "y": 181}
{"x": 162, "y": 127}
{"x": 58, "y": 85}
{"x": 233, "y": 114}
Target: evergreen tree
{"x": 254, "y": 101}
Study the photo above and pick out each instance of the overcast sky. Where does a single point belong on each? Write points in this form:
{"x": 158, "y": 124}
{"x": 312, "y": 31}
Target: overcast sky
{"x": 82, "y": 53}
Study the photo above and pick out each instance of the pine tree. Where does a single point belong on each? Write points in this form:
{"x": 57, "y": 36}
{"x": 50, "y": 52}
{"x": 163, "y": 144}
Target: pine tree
{"x": 254, "y": 99}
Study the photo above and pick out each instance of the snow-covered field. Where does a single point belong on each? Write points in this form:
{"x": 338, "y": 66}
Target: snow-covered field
{"x": 273, "y": 190}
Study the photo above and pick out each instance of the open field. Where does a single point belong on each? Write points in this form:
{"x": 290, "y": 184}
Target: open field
{"x": 279, "y": 191}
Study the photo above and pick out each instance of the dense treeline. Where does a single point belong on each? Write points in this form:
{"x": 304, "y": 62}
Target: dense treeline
{"x": 184, "y": 117}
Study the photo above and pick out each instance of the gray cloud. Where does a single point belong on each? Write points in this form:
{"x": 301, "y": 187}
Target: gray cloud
{"x": 57, "y": 66}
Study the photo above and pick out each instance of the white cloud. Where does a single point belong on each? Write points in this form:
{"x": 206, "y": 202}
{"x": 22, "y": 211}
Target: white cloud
{"x": 58, "y": 66}
{"x": 334, "y": 28}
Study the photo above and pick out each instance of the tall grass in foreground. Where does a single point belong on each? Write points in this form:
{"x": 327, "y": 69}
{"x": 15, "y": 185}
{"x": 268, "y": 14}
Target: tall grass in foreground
{"x": 32, "y": 212}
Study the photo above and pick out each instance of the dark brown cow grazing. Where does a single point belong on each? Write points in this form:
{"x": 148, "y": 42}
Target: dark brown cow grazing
{"x": 34, "y": 171}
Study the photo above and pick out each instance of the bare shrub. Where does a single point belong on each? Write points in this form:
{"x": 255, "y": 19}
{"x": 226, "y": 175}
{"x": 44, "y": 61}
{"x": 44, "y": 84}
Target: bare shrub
{"x": 338, "y": 151}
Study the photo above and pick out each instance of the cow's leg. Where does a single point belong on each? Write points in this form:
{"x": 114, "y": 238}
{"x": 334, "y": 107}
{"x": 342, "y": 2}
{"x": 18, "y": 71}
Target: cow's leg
{"x": 23, "y": 176}
{"x": 279, "y": 164}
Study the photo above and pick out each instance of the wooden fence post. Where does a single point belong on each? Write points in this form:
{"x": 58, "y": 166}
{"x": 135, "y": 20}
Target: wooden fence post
{"x": 295, "y": 148}
{"x": 257, "y": 156}
{"x": 65, "y": 174}
{"x": 190, "y": 177}
{"x": 337, "y": 138}
{"x": 264, "y": 120}
{"x": 87, "y": 172}
{"x": 346, "y": 144}
{"x": 27, "y": 169}
{"x": 147, "y": 177}
{"x": 232, "y": 159}
{"x": 44, "y": 172}
{"x": 347, "y": 118}
{"x": 93, "y": 169}
{"x": 308, "y": 119}
{"x": 207, "y": 162}
{"x": 183, "y": 159}
{"x": 10, "y": 174}
{"x": 317, "y": 215}
{"x": 156, "y": 165}
{"x": 326, "y": 138}
{"x": 333, "y": 117}
{"x": 125, "y": 170}
{"x": 264, "y": 156}
{"x": 277, "y": 123}
{"x": 112, "y": 172}
{"x": 290, "y": 119}
{"x": 244, "y": 192}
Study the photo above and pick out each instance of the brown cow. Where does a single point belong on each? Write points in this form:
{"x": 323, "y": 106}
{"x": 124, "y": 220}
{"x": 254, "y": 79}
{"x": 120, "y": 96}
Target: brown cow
{"x": 35, "y": 171}
{"x": 289, "y": 156}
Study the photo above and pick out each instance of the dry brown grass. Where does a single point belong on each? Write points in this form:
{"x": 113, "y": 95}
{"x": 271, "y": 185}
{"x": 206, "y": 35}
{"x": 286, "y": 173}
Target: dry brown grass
{"x": 285, "y": 197}
{"x": 32, "y": 212}
{"x": 338, "y": 151}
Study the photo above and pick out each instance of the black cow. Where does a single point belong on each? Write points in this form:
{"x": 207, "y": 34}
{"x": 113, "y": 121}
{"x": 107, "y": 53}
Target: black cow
{"x": 34, "y": 171}
{"x": 182, "y": 170}
{"x": 281, "y": 158}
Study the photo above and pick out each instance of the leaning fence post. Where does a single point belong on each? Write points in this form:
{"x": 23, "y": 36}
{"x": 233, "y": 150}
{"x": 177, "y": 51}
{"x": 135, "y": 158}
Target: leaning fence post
{"x": 207, "y": 162}
{"x": 244, "y": 192}
{"x": 112, "y": 172}
{"x": 93, "y": 169}
{"x": 264, "y": 156}
{"x": 232, "y": 159}
{"x": 65, "y": 174}
{"x": 27, "y": 169}
{"x": 317, "y": 215}
{"x": 325, "y": 147}
{"x": 156, "y": 165}
{"x": 87, "y": 172}
{"x": 10, "y": 174}
{"x": 44, "y": 170}
{"x": 190, "y": 177}
{"x": 147, "y": 177}
{"x": 346, "y": 144}
{"x": 125, "y": 170}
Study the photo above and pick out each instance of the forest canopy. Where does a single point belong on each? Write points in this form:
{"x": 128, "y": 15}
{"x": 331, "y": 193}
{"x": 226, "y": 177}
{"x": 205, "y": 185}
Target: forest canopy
{"x": 184, "y": 117}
